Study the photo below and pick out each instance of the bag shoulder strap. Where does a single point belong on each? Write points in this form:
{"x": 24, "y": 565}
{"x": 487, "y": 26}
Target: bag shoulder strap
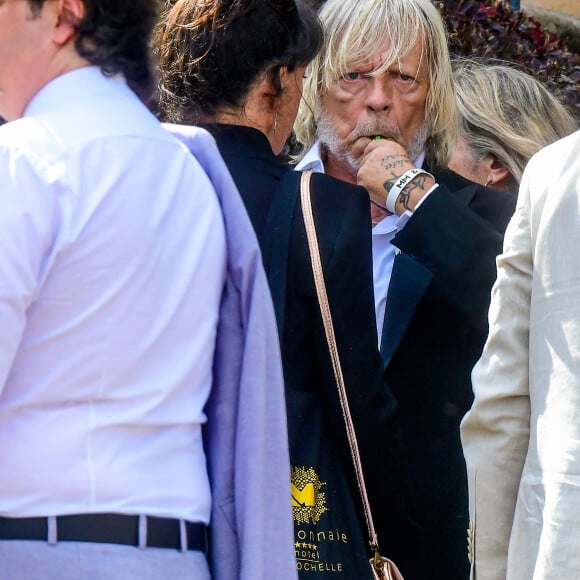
{"x": 332, "y": 346}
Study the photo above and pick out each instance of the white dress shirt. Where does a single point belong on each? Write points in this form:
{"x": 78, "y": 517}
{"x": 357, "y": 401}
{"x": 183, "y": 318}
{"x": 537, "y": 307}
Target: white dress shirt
{"x": 112, "y": 263}
{"x": 383, "y": 233}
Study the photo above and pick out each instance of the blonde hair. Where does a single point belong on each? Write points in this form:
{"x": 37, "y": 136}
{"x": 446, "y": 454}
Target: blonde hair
{"x": 507, "y": 113}
{"x": 355, "y": 30}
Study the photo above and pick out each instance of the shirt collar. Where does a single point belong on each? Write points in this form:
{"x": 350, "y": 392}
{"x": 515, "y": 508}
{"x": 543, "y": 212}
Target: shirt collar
{"x": 312, "y": 161}
{"x": 72, "y": 87}
{"x": 420, "y": 160}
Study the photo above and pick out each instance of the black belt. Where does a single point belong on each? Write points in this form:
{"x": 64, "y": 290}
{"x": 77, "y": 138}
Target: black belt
{"x": 107, "y": 529}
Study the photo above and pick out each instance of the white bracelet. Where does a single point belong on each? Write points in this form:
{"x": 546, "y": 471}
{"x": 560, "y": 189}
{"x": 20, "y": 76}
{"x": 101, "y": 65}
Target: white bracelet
{"x": 400, "y": 184}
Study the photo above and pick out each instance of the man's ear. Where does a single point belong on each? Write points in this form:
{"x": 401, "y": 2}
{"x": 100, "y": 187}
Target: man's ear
{"x": 498, "y": 173}
{"x": 70, "y": 15}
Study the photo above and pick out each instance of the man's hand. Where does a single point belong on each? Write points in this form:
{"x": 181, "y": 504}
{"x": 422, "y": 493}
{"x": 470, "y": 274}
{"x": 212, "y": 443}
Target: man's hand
{"x": 382, "y": 163}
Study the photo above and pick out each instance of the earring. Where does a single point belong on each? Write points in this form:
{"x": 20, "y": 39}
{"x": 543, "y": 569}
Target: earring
{"x": 276, "y": 123}
{"x": 487, "y": 183}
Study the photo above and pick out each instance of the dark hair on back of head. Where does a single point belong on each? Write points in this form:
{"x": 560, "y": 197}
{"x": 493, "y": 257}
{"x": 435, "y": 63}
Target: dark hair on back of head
{"x": 211, "y": 52}
{"x": 115, "y": 35}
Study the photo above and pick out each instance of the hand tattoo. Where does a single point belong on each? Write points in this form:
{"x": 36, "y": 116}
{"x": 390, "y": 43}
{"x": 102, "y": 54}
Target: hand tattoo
{"x": 389, "y": 183}
{"x": 392, "y": 161}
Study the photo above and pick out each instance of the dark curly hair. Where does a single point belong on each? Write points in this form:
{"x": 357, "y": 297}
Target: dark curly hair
{"x": 211, "y": 52}
{"x": 115, "y": 35}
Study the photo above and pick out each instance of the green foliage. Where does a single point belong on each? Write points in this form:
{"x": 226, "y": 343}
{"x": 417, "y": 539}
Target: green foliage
{"x": 492, "y": 30}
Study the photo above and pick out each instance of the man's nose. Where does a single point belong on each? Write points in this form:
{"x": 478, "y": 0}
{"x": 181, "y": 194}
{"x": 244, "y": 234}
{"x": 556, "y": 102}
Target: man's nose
{"x": 379, "y": 93}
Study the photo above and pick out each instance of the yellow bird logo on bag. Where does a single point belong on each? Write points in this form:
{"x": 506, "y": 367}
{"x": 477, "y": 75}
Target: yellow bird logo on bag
{"x": 308, "y": 502}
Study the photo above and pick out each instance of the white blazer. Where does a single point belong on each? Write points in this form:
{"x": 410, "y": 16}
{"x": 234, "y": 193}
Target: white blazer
{"x": 521, "y": 439}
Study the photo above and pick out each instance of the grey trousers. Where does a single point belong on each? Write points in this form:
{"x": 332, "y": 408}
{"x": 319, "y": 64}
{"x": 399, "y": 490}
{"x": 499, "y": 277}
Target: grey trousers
{"x": 37, "y": 560}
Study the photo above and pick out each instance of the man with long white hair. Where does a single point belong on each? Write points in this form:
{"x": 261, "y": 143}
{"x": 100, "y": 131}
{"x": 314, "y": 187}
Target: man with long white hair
{"x": 379, "y": 110}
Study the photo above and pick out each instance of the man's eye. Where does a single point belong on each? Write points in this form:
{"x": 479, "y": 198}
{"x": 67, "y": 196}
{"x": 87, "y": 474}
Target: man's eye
{"x": 352, "y": 76}
{"x": 406, "y": 78}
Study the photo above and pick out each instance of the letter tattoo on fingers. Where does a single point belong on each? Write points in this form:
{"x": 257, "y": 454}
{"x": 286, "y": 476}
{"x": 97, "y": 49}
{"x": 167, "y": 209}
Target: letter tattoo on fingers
{"x": 390, "y": 162}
